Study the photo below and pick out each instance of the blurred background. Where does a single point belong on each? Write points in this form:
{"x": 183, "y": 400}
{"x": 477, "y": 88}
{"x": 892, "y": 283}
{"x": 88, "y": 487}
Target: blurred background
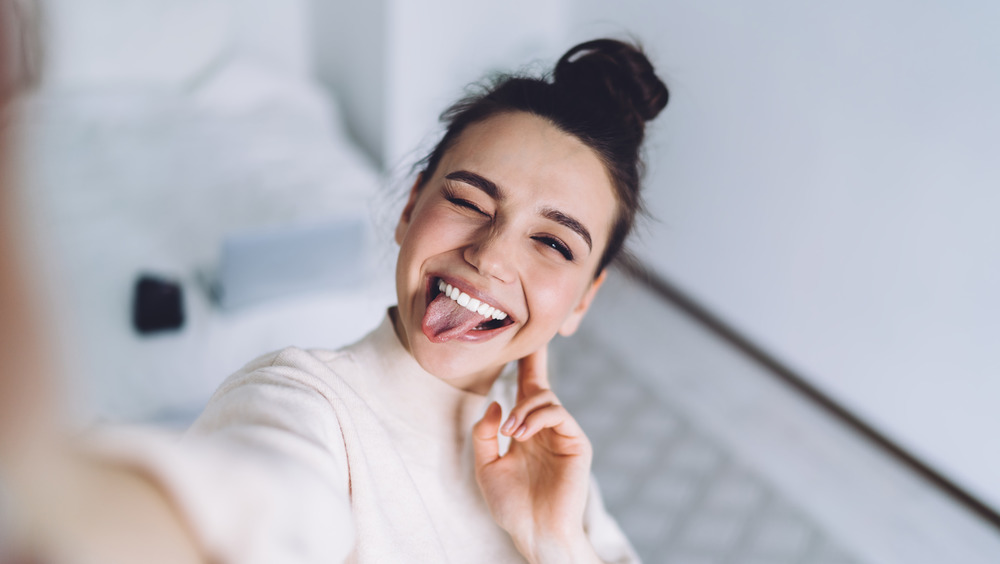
{"x": 823, "y": 190}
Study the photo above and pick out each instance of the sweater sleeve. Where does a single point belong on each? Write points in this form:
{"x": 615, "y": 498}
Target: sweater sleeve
{"x": 262, "y": 474}
{"x": 610, "y": 543}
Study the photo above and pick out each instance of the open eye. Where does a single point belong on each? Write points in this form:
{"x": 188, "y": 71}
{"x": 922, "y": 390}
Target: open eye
{"x": 556, "y": 244}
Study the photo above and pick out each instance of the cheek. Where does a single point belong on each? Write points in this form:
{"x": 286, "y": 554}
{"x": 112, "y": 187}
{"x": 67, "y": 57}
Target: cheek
{"x": 432, "y": 231}
{"x": 553, "y": 295}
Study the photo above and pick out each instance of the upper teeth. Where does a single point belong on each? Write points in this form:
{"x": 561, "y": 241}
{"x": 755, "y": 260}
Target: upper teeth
{"x": 470, "y": 303}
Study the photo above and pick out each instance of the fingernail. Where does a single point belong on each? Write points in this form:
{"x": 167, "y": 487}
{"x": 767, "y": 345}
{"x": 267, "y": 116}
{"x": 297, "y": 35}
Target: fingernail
{"x": 509, "y": 425}
{"x": 520, "y": 432}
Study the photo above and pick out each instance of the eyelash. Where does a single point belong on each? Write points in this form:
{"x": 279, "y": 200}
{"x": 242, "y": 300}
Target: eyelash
{"x": 451, "y": 197}
{"x": 546, "y": 240}
{"x": 555, "y": 244}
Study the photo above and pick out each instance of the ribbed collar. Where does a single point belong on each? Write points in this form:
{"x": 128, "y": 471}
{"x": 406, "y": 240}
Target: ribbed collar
{"x": 410, "y": 393}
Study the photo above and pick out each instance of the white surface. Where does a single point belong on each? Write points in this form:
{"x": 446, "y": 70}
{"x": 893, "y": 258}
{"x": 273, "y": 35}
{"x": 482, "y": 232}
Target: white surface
{"x": 169, "y": 45}
{"x": 825, "y": 180}
{"x": 121, "y": 42}
{"x": 132, "y": 176}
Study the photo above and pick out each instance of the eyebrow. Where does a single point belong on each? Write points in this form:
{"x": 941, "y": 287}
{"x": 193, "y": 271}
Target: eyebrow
{"x": 492, "y": 190}
{"x": 473, "y": 179}
{"x": 570, "y": 223}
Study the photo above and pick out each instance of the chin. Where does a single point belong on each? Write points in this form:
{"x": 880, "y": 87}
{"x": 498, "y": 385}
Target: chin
{"x": 460, "y": 366}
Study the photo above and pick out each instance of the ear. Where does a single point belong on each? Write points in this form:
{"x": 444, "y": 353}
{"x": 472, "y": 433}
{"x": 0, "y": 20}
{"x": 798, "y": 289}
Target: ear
{"x": 572, "y": 322}
{"x": 404, "y": 218}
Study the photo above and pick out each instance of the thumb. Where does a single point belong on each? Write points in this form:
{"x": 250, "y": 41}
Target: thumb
{"x": 484, "y": 437}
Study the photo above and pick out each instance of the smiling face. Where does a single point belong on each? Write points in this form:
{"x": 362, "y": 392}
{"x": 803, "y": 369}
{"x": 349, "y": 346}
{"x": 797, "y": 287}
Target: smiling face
{"x": 515, "y": 217}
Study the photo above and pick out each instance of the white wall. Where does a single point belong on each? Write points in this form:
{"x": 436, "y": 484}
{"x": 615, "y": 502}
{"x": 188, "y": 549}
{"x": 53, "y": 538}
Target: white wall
{"x": 350, "y": 53}
{"x": 826, "y": 181}
{"x": 439, "y": 47}
{"x": 398, "y": 64}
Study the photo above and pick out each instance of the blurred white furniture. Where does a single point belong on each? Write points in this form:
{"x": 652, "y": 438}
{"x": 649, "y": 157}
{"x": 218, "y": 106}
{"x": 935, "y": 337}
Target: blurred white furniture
{"x": 162, "y": 127}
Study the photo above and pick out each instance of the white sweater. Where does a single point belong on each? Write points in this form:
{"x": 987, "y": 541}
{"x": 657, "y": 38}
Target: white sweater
{"x": 356, "y": 455}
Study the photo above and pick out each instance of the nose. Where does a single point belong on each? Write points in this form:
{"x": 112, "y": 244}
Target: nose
{"x": 492, "y": 254}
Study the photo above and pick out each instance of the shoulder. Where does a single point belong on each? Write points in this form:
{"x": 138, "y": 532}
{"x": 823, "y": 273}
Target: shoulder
{"x": 292, "y": 368}
{"x": 606, "y": 536}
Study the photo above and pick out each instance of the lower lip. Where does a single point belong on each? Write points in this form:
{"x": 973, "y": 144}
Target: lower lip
{"x": 485, "y": 335}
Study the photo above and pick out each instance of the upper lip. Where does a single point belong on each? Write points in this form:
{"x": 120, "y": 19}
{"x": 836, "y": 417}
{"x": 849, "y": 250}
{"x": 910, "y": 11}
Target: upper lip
{"x": 467, "y": 287}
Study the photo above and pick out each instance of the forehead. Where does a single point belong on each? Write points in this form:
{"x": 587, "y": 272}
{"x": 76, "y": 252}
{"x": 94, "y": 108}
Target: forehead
{"x": 536, "y": 164}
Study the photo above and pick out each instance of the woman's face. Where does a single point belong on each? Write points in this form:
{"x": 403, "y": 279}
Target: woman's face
{"x": 516, "y": 216}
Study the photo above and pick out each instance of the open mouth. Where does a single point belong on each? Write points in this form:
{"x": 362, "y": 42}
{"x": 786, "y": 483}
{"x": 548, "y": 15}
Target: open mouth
{"x": 493, "y": 317}
{"x": 452, "y": 313}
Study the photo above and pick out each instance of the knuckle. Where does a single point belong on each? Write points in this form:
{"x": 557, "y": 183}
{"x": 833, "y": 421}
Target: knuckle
{"x": 545, "y": 397}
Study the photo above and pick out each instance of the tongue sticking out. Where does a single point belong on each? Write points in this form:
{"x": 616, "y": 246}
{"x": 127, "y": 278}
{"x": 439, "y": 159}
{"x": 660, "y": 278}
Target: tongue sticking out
{"x": 445, "y": 320}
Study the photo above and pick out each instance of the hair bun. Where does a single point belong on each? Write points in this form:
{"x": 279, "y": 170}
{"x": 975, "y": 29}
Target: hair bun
{"x": 615, "y": 70}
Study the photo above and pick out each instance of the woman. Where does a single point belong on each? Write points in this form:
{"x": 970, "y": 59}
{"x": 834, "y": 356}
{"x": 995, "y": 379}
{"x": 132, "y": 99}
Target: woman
{"x": 390, "y": 449}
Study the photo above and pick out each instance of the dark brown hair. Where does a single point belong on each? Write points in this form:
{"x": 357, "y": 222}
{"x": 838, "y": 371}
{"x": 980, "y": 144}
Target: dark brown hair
{"x": 602, "y": 92}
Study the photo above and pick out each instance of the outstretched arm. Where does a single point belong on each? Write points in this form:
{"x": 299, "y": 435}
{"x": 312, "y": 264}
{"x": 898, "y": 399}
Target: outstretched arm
{"x": 72, "y": 508}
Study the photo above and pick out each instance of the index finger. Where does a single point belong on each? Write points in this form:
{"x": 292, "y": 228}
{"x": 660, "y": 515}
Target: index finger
{"x": 533, "y": 373}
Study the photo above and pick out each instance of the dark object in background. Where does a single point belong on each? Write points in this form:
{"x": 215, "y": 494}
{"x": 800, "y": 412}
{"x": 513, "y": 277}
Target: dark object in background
{"x": 157, "y": 305}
